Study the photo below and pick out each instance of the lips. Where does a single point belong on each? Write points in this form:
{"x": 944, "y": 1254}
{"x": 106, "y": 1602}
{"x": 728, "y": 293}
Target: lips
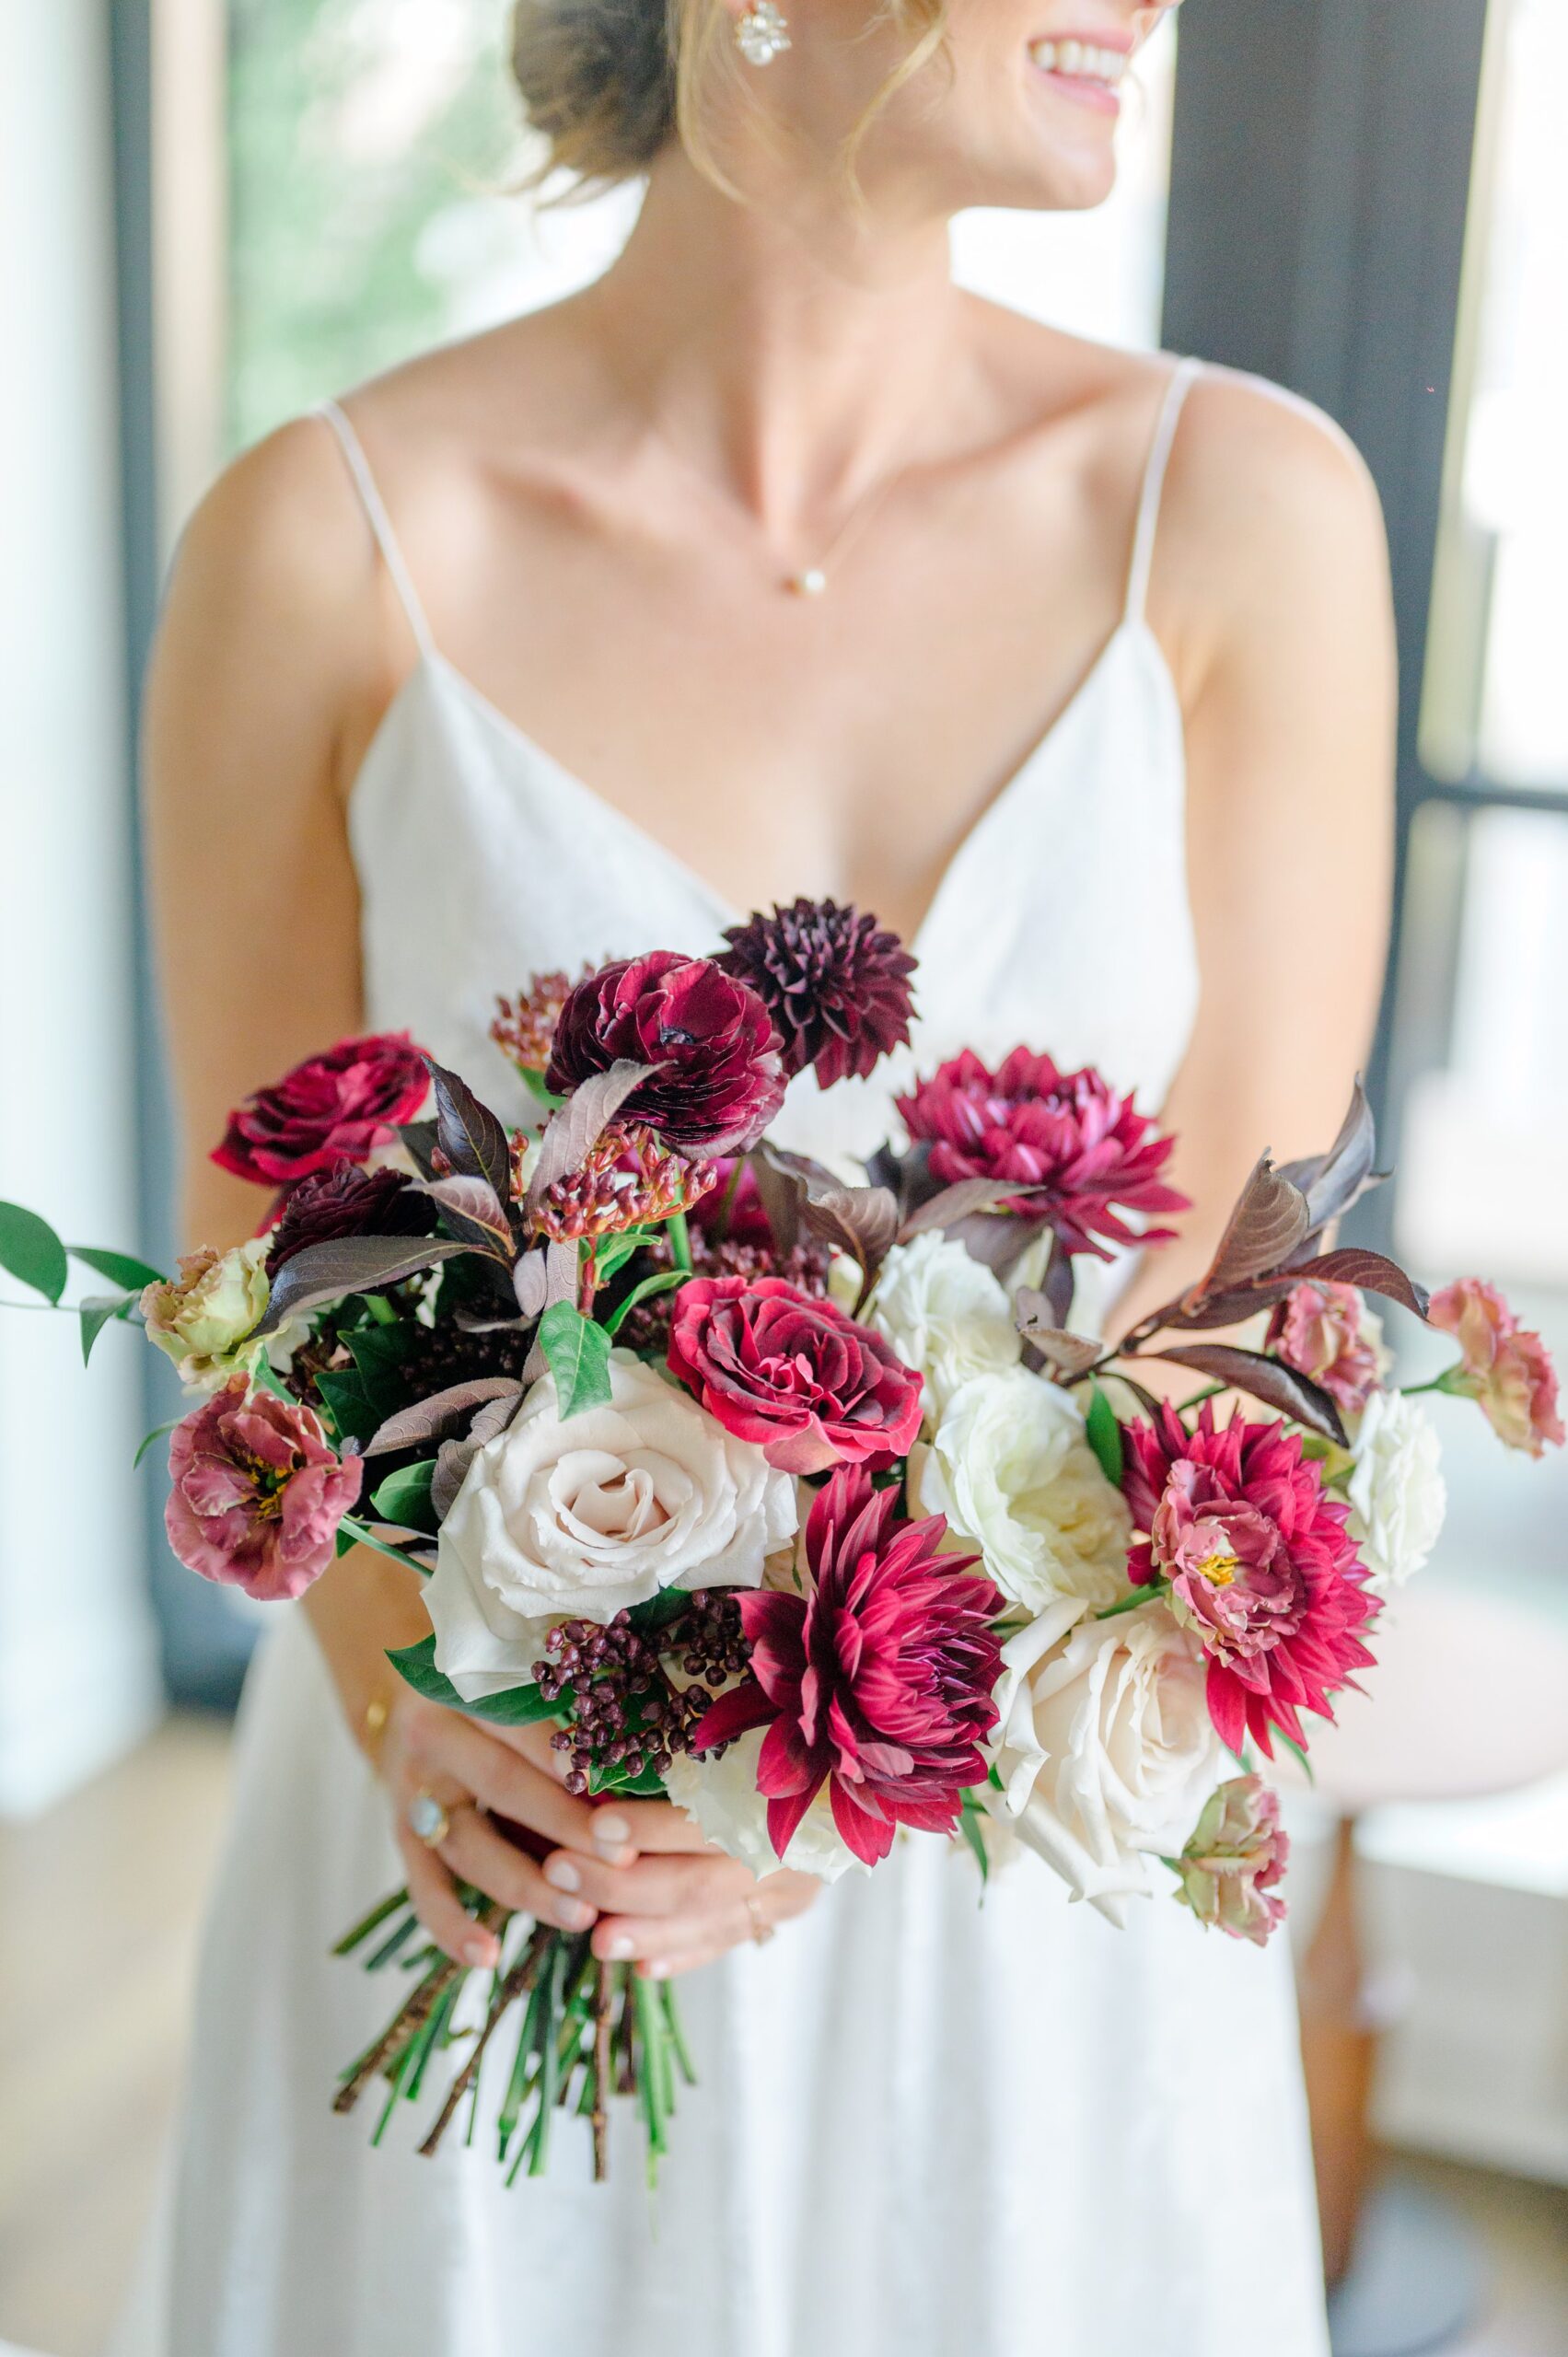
{"x": 1081, "y": 61}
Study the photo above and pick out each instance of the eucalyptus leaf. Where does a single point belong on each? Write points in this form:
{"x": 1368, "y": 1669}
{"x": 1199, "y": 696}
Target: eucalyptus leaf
{"x": 32, "y": 1252}
{"x": 577, "y": 1353}
{"x": 120, "y": 1268}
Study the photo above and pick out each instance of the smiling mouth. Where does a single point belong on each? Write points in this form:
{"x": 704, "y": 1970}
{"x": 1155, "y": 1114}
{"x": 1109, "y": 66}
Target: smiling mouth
{"x": 1089, "y": 71}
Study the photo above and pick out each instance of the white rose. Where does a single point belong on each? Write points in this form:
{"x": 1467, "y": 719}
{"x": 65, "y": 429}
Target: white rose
{"x": 580, "y": 1519}
{"x": 1396, "y": 1489}
{"x": 946, "y": 1314}
{"x": 720, "y": 1793}
{"x": 1009, "y": 1466}
{"x": 1106, "y": 1749}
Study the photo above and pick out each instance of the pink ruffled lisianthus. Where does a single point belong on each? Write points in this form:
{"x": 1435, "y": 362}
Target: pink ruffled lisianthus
{"x": 1505, "y": 1367}
{"x": 258, "y": 1494}
{"x": 1067, "y": 1133}
{"x": 1318, "y": 1331}
{"x": 1259, "y": 1564}
{"x": 878, "y": 1684}
{"x": 346, "y": 1102}
{"x": 719, "y": 1079}
{"x": 1238, "y": 1852}
{"x": 793, "y": 1374}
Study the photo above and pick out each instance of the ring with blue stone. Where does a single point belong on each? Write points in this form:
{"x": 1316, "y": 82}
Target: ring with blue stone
{"x": 427, "y": 1820}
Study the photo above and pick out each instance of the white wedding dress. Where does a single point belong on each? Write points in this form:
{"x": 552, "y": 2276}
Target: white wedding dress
{"x": 925, "y": 2127}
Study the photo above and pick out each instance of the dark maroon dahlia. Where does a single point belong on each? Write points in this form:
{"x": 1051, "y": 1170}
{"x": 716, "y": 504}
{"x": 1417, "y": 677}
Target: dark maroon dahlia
{"x": 346, "y": 1102}
{"x": 879, "y": 1683}
{"x": 1066, "y": 1133}
{"x": 834, "y": 981}
{"x": 719, "y": 1080}
{"x": 347, "y": 1200}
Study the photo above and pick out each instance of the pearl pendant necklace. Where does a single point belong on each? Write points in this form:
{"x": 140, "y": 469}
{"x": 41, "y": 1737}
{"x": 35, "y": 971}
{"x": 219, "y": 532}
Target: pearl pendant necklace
{"x": 812, "y": 583}
{"x": 811, "y": 580}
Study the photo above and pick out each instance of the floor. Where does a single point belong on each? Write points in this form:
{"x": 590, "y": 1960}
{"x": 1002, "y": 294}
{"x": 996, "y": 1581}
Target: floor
{"x": 99, "y": 1907}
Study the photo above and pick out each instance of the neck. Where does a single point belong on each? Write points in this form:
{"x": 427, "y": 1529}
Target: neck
{"x": 795, "y": 351}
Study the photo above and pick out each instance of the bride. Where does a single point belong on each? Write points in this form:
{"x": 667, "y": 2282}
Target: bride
{"x": 770, "y": 564}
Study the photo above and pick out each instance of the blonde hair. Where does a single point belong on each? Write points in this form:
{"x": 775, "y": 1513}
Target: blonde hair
{"x": 609, "y": 83}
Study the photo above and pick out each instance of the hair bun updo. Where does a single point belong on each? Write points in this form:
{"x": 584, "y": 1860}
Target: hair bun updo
{"x": 598, "y": 81}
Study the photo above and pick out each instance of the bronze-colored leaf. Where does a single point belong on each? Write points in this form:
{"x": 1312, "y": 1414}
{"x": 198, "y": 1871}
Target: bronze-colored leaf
{"x": 470, "y": 1135}
{"x": 861, "y": 1221}
{"x": 472, "y": 1210}
{"x": 346, "y": 1264}
{"x": 1369, "y": 1272}
{"x": 787, "y": 1182}
{"x": 1277, "y": 1386}
{"x": 1068, "y": 1353}
{"x": 962, "y": 1201}
{"x": 530, "y": 1283}
{"x": 572, "y": 1133}
{"x": 1270, "y": 1220}
{"x": 559, "y": 1284}
{"x": 443, "y": 1412}
{"x": 1333, "y": 1181}
{"x": 418, "y": 1139}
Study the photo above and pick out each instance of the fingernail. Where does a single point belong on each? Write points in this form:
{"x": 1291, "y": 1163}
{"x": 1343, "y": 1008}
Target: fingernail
{"x": 610, "y": 1833}
{"x": 659, "y": 1970}
{"x": 563, "y": 1875}
{"x": 482, "y": 1952}
{"x": 577, "y": 1914}
{"x": 619, "y": 1951}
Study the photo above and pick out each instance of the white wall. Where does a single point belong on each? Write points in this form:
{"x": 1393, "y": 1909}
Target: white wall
{"x": 77, "y": 1672}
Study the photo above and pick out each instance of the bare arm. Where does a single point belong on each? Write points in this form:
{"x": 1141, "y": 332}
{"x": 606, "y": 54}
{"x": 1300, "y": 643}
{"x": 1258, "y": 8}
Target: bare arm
{"x": 269, "y": 671}
{"x": 1274, "y": 548}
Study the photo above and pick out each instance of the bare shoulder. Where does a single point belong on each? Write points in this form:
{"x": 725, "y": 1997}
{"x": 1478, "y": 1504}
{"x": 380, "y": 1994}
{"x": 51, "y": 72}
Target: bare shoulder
{"x": 1270, "y": 510}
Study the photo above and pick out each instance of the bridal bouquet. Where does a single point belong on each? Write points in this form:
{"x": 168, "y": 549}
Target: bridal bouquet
{"x": 798, "y": 1501}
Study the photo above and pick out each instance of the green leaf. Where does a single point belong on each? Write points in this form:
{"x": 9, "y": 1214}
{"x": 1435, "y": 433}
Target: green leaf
{"x": 353, "y": 1411}
{"x": 378, "y": 1353}
{"x": 404, "y": 1497}
{"x": 662, "y": 1281}
{"x": 1105, "y": 1436}
{"x": 616, "y": 1250}
{"x": 578, "y": 1355}
{"x": 120, "y": 1268}
{"x": 96, "y": 1315}
{"x": 1299, "y": 1755}
{"x": 521, "y": 1706}
{"x": 968, "y": 1826}
{"x": 159, "y": 1432}
{"x": 30, "y": 1251}
{"x": 659, "y": 1610}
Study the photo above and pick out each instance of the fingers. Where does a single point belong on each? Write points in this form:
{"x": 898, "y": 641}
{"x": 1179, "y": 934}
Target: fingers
{"x": 648, "y": 1826}
{"x": 727, "y": 1913}
{"x": 475, "y": 1852}
{"x": 502, "y": 1779}
{"x": 435, "y": 1902}
{"x": 669, "y": 1886}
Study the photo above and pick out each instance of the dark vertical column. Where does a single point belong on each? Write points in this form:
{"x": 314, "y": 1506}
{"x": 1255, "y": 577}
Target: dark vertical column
{"x": 1320, "y": 190}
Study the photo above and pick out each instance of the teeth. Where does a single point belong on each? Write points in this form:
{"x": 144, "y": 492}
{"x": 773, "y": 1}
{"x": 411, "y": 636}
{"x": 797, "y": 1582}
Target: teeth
{"x": 1082, "y": 59}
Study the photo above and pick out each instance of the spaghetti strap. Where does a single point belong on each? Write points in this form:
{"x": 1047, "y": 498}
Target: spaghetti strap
{"x": 380, "y": 523}
{"x": 1183, "y": 376}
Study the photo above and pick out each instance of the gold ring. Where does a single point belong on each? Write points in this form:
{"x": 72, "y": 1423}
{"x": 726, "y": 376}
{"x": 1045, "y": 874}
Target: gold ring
{"x": 761, "y": 1930}
{"x": 427, "y": 1820}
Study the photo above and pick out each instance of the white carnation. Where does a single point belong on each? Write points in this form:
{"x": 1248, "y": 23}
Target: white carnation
{"x": 587, "y": 1516}
{"x": 946, "y": 1314}
{"x": 1397, "y": 1490}
{"x": 1106, "y": 1749}
{"x": 1009, "y": 1466}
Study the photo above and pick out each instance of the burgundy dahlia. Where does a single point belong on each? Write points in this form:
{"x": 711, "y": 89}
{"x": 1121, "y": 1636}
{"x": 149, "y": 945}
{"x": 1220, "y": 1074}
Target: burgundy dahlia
{"x": 796, "y": 1376}
{"x": 834, "y": 981}
{"x": 1068, "y": 1133}
{"x": 1259, "y": 1564}
{"x": 346, "y": 1102}
{"x": 879, "y": 1683}
{"x": 257, "y": 1493}
{"x": 347, "y": 1200}
{"x": 720, "y": 1080}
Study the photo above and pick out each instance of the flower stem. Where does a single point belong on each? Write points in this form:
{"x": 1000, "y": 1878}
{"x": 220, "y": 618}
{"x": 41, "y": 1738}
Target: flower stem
{"x": 680, "y": 1242}
{"x": 1210, "y": 1391}
{"x": 603, "y": 1991}
{"x": 1152, "y": 1594}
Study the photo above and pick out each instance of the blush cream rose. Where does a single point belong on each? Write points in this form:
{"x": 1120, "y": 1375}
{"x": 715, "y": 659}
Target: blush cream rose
{"x": 945, "y": 1315}
{"x": 587, "y": 1516}
{"x": 1106, "y": 1752}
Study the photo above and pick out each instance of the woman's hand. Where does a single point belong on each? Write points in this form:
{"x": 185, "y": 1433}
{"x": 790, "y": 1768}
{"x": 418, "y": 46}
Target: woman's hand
{"x": 638, "y": 1872}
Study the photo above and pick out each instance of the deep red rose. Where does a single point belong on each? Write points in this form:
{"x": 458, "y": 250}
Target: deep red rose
{"x": 835, "y": 983}
{"x": 880, "y": 1683}
{"x": 347, "y": 1200}
{"x": 1067, "y": 1132}
{"x": 347, "y": 1102}
{"x": 794, "y": 1375}
{"x": 720, "y": 1079}
{"x": 258, "y": 1493}
{"x": 1260, "y": 1563}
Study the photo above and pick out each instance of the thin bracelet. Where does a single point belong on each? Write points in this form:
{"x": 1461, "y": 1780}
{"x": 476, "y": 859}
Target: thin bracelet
{"x": 372, "y": 1728}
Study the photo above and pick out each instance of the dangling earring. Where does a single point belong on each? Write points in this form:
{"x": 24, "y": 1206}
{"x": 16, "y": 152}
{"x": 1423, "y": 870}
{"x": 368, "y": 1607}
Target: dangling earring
{"x": 762, "y": 33}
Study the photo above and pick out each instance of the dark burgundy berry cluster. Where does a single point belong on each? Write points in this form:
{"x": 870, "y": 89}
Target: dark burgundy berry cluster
{"x": 628, "y": 1715}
